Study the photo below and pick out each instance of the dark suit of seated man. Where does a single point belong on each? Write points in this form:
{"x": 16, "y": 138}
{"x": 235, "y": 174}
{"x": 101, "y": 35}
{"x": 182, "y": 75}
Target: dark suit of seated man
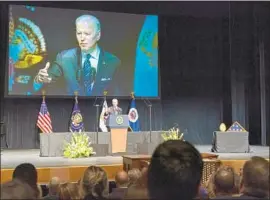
{"x": 88, "y": 70}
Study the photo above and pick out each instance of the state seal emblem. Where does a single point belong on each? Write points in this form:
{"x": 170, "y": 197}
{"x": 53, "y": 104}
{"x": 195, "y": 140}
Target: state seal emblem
{"x": 119, "y": 120}
{"x": 133, "y": 115}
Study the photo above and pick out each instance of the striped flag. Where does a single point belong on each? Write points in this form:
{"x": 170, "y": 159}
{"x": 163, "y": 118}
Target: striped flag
{"x": 44, "y": 122}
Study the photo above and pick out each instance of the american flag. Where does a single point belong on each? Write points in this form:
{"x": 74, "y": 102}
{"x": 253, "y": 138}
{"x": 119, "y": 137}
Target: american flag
{"x": 236, "y": 127}
{"x": 44, "y": 122}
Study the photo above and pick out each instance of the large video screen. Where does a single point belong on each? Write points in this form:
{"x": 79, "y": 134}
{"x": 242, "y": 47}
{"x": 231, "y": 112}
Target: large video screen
{"x": 63, "y": 51}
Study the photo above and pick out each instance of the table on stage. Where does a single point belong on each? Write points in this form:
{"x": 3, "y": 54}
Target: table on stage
{"x": 211, "y": 163}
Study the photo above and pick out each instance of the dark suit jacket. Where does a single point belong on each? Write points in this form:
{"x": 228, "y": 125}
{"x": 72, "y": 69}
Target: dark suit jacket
{"x": 118, "y": 193}
{"x": 112, "y": 112}
{"x": 68, "y": 66}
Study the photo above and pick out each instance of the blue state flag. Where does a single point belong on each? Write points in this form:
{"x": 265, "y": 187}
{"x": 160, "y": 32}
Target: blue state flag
{"x": 76, "y": 124}
{"x": 146, "y": 66}
{"x": 133, "y": 116}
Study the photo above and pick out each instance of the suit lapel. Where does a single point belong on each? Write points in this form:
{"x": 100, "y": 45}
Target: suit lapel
{"x": 101, "y": 65}
{"x": 101, "y": 70}
{"x": 78, "y": 69}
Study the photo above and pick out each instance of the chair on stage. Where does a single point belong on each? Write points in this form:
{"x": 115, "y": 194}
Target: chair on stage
{"x": 3, "y": 134}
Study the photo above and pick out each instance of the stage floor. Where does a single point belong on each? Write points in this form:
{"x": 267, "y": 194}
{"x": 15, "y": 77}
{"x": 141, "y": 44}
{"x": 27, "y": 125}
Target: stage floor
{"x": 11, "y": 158}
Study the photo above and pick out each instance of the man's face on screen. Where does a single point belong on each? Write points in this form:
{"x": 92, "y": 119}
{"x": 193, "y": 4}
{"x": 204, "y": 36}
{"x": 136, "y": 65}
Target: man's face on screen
{"x": 87, "y": 35}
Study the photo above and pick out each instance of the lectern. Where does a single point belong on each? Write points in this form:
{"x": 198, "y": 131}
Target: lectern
{"x": 118, "y": 125}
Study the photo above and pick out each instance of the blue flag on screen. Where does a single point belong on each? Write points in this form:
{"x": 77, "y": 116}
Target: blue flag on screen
{"x": 146, "y": 67}
{"x": 133, "y": 116}
{"x": 76, "y": 124}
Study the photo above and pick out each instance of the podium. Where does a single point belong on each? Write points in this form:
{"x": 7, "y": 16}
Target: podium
{"x": 118, "y": 125}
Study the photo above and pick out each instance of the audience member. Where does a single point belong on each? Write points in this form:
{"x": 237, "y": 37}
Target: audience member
{"x": 17, "y": 189}
{"x": 224, "y": 182}
{"x": 94, "y": 183}
{"x": 175, "y": 171}
{"x": 210, "y": 187}
{"x": 121, "y": 180}
{"x": 27, "y": 173}
{"x": 139, "y": 190}
{"x": 40, "y": 193}
{"x": 68, "y": 191}
{"x": 53, "y": 189}
{"x": 255, "y": 179}
{"x": 134, "y": 175}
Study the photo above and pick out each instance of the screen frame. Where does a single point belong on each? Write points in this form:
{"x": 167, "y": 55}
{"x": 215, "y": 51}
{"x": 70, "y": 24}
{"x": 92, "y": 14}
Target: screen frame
{"x": 18, "y": 96}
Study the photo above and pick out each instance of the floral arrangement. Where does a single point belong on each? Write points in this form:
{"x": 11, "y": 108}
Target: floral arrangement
{"x": 172, "y": 134}
{"x": 78, "y": 147}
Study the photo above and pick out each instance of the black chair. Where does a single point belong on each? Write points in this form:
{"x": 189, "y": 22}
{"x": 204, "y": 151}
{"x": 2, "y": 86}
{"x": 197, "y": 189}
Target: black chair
{"x": 3, "y": 134}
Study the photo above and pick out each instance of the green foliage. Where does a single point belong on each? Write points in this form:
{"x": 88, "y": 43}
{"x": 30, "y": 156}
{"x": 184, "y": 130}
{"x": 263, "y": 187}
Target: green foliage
{"x": 172, "y": 134}
{"x": 78, "y": 147}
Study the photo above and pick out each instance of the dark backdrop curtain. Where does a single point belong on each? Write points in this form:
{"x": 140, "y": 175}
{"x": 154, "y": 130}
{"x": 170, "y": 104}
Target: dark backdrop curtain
{"x": 195, "y": 66}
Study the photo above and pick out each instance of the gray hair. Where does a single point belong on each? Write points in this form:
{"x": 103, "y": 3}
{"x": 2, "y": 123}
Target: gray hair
{"x": 89, "y": 19}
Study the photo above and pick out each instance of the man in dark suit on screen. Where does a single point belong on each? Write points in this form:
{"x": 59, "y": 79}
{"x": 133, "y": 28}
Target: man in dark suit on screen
{"x": 89, "y": 70}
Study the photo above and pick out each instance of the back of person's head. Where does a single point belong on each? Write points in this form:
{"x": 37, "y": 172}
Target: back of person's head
{"x": 255, "y": 177}
{"x": 68, "y": 191}
{"x": 54, "y": 186}
{"x": 26, "y": 172}
{"x": 121, "y": 179}
{"x": 175, "y": 171}
{"x": 94, "y": 182}
{"x": 17, "y": 189}
{"x": 134, "y": 175}
{"x": 224, "y": 181}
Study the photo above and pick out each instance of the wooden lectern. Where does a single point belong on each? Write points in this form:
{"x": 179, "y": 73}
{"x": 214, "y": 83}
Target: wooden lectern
{"x": 118, "y": 125}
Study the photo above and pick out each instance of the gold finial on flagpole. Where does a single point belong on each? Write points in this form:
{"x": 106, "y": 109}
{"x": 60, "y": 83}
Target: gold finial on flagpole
{"x": 105, "y": 92}
{"x": 132, "y": 95}
{"x": 43, "y": 94}
{"x": 76, "y": 96}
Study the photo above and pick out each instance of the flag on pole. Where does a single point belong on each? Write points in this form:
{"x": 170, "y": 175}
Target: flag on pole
{"x": 44, "y": 122}
{"x": 103, "y": 117}
{"x": 76, "y": 124}
{"x": 133, "y": 116}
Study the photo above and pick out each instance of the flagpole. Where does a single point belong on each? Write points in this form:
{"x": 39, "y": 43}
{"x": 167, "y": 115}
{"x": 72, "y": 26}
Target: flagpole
{"x": 43, "y": 95}
{"x": 97, "y": 116}
{"x": 76, "y": 96}
{"x": 148, "y": 103}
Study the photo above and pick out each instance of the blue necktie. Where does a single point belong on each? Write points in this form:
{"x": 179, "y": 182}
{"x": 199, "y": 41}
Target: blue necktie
{"x": 89, "y": 74}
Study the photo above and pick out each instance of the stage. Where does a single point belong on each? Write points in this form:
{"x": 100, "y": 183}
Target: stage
{"x": 72, "y": 169}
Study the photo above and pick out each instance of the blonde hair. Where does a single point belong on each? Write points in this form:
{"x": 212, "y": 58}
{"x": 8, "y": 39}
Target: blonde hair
{"x": 94, "y": 182}
{"x": 134, "y": 175}
{"x": 69, "y": 191}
